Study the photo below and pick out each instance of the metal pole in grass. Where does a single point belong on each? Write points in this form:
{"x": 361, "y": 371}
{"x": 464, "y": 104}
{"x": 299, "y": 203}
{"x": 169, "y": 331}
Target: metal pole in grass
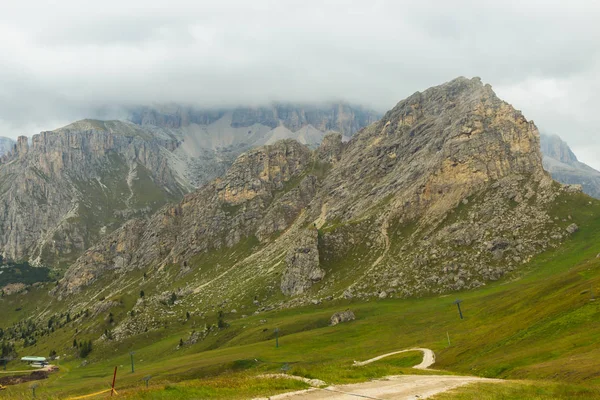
{"x": 457, "y": 302}
{"x": 147, "y": 379}
{"x": 448, "y": 334}
{"x": 276, "y": 337}
{"x": 131, "y": 353}
{"x": 33, "y": 387}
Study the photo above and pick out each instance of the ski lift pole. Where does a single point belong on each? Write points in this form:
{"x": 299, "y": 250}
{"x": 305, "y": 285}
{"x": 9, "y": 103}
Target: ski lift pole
{"x": 457, "y": 302}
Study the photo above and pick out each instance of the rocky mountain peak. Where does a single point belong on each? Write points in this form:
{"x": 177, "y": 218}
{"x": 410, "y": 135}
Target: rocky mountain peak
{"x": 553, "y": 146}
{"x": 433, "y": 149}
{"x": 564, "y": 166}
{"x": 22, "y": 146}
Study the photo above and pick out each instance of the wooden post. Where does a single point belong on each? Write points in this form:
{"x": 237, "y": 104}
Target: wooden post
{"x": 112, "y": 390}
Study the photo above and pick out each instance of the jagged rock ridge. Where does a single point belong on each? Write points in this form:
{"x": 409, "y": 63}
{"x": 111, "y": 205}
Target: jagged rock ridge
{"x": 60, "y": 194}
{"x": 564, "y": 166}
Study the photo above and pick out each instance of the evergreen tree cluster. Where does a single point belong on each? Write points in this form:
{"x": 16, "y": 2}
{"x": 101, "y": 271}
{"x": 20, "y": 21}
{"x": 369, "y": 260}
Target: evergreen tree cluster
{"x": 85, "y": 348}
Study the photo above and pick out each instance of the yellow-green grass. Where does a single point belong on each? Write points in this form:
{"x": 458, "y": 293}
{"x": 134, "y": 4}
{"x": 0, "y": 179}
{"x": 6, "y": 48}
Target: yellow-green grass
{"x": 520, "y": 390}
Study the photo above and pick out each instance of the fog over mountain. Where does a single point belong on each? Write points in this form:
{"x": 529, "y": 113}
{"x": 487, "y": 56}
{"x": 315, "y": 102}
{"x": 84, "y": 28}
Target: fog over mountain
{"x": 60, "y": 65}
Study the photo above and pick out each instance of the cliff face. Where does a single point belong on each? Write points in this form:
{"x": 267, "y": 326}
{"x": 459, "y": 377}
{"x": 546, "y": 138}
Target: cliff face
{"x": 6, "y": 145}
{"x": 564, "y": 166}
{"x": 72, "y": 186}
{"x": 219, "y": 215}
{"x": 339, "y": 117}
{"x": 446, "y": 192}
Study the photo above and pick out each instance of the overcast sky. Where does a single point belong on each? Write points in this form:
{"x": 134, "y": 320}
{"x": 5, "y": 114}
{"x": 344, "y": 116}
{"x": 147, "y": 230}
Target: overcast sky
{"x": 66, "y": 60}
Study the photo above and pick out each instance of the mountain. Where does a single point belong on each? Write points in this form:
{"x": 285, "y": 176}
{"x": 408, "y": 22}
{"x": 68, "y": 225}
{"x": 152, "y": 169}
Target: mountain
{"x": 60, "y": 194}
{"x": 78, "y": 183}
{"x": 6, "y": 145}
{"x": 562, "y": 163}
{"x": 446, "y": 192}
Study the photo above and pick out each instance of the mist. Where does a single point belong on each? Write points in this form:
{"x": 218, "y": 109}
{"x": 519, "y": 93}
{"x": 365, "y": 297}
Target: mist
{"x": 73, "y": 60}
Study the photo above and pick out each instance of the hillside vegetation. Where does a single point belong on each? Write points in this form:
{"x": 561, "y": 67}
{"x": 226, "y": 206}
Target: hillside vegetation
{"x": 536, "y": 325}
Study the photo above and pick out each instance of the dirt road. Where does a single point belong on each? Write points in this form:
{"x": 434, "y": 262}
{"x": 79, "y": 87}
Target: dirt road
{"x": 403, "y": 387}
{"x": 395, "y": 387}
{"x": 428, "y": 358}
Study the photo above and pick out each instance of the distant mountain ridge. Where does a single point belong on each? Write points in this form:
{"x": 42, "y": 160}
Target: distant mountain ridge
{"x": 564, "y": 166}
{"x": 339, "y": 117}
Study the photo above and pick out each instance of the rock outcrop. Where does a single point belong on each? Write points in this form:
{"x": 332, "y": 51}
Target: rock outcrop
{"x": 564, "y": 166}
{"x": 65, "y": 190}
{"x": 302, "y": 265}
{"x": 339, "y": 317}
{"x": 330, "y": 150}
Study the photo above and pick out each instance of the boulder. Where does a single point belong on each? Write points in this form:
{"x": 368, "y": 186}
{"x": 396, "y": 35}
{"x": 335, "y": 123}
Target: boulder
{"x": 574, "y": 188}
{"x": 340, "y": 317}
{"x": 572, "y": 228}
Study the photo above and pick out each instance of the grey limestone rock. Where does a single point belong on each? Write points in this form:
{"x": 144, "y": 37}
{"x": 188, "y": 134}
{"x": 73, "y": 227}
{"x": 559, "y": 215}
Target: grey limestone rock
{"x": 572, "y": 228}
{"x": 302, "y": 265}
{"x": 339, "y": 317}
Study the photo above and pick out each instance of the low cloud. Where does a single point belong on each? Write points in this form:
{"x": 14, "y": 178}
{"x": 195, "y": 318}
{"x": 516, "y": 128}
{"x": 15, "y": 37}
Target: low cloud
{"x": 74, "y": 59}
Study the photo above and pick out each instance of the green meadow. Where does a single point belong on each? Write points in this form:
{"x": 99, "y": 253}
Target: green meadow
{"x": 539, "y": 328}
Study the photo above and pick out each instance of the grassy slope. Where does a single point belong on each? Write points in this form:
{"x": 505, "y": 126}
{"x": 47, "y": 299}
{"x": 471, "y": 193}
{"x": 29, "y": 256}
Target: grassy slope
{"x": 539, "y": 325}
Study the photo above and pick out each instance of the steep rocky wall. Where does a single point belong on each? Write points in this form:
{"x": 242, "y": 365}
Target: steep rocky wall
{"x": 302, "y": 264}
{"x": 69, "y": 187}
{"x": 251, "y": 198}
